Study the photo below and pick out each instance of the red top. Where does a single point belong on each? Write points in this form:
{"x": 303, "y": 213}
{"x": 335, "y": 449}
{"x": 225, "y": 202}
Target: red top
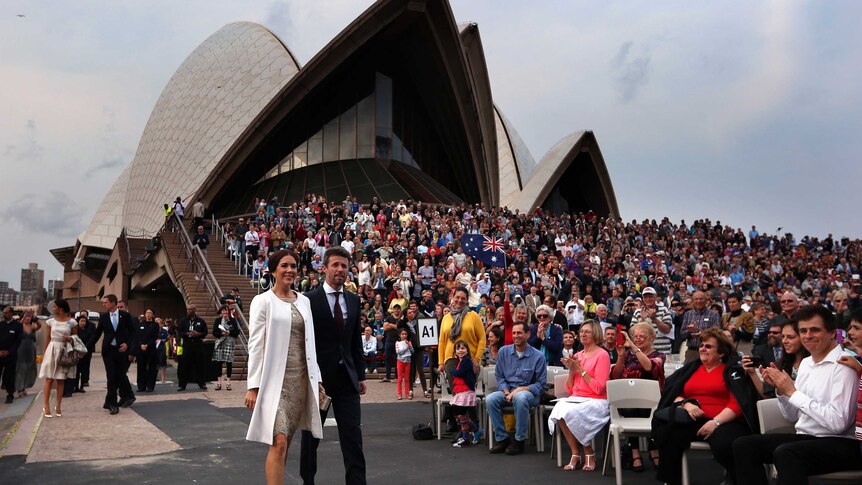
{"x": 507, "y": 323}
{"x": 711, "y": 391}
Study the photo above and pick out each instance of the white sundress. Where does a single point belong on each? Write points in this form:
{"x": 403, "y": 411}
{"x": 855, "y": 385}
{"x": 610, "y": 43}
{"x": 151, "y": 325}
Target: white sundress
{"x": 51, "y": 368}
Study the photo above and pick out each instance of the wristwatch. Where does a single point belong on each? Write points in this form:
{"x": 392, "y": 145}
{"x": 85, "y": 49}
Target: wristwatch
{"x": 717, "y": 423}
{"x": 638, "y": 350}
{"x": 583, "y": 373}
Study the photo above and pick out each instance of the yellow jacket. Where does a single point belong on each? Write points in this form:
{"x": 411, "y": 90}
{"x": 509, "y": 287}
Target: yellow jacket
{"x": 472, "y": 332}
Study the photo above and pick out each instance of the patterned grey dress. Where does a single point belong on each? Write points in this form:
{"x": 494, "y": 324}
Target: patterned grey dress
{"x": 292, "y": 403}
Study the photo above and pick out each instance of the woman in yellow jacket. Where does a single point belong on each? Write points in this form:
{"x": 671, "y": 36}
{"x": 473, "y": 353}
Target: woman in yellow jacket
{"x": 461, "y": 324}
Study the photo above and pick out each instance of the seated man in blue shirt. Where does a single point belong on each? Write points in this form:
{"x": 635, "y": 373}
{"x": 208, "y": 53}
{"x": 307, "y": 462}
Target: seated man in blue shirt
{"x": 521, "y": 373}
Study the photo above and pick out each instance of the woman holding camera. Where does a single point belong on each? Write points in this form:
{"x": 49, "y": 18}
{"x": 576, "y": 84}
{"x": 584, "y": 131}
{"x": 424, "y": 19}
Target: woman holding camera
{"x": 638, "y": 360}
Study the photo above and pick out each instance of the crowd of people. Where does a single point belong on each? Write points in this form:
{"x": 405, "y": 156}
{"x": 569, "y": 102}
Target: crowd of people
{"x": 601, "y": 297}
{"x": 752, "y": 316}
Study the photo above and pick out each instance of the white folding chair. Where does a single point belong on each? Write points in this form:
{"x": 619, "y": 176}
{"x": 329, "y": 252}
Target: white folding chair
{"x": 560, "y": 392}
{"x": 772, "y": 421}
{"x": 629, "y": 394}
{"x": 443, "y": 400}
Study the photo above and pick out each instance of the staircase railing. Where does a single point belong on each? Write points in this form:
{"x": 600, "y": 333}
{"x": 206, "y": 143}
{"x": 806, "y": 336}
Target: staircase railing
{"x": 242, "y": 265}
{"x": 199, "y": 266}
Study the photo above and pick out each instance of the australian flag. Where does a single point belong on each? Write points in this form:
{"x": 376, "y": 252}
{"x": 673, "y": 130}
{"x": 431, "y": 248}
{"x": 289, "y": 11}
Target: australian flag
{"x": 489, "y": 250}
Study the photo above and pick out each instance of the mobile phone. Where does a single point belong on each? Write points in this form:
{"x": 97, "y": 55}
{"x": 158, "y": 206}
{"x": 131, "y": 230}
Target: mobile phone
{"x": 857, "y": 289}
{"x": 621, "y": 339}
{"x": 756, "y": 361}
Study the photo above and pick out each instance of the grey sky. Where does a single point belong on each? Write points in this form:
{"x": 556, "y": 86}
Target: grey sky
{"x": 744, "y": 112}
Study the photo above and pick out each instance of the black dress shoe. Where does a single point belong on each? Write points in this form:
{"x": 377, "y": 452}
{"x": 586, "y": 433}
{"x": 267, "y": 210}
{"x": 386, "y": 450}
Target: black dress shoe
{"x": 106, "y": 406}
{"x": 203, "y": 387}
{"x": 500, "y": 447}
{"x": 128, "y": 402}
{"x": 150, "y": 390}
{"x": 114, "y": 410}
{"x": 141, "y": 389}
{"x": 515, "y": 448}
{"x": 181, "y": 388}
{"x": 9, "y": 398}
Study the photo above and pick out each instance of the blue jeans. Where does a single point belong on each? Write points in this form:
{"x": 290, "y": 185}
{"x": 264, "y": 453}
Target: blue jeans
{"x": 522, "y": 403}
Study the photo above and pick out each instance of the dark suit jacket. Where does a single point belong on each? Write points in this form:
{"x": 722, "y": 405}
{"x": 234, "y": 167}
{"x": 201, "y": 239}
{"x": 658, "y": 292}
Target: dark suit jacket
{"x": 554, "y": 343}
{"x": 124, "y": 334}
{"x": 146, "y": 334}
{"x": 330, "y": 349}
{"x": 764, "y": 351}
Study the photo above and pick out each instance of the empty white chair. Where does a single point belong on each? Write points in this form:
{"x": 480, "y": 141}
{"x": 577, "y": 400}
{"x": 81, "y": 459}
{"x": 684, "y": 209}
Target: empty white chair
{"x": 629, "y": 394}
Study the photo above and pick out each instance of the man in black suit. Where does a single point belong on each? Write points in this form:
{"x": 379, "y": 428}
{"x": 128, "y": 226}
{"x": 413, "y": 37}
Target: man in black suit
{"x": 339, "y": 355}
{"x": 87, "y": 333}
{"x": 770, "y": 352}
{"x": 193, "y": 362}
{"x": 118, "y": 330}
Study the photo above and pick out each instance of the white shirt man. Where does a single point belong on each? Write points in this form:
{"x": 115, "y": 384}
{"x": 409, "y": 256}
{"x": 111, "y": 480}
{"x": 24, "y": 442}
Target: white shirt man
{"x": 822, "y": 401}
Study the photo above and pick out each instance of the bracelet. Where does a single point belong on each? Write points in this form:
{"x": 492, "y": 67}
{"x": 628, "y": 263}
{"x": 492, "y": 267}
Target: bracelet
{"x": 638, "y": 350}
{"x": 583, "y": 373}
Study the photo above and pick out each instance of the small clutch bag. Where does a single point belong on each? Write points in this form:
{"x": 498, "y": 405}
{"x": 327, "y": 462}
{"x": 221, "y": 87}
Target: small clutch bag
{"x": 325, "y": 401}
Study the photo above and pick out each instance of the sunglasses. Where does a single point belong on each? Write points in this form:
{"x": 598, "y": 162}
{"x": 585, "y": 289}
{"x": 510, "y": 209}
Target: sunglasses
{"x": 543, "y": 316}
{"x": 707, "y": 346}
{"x": 786, "y": 301}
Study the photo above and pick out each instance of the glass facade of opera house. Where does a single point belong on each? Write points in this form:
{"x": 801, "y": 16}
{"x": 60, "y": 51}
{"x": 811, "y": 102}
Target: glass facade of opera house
{"x": 381, "y": 143}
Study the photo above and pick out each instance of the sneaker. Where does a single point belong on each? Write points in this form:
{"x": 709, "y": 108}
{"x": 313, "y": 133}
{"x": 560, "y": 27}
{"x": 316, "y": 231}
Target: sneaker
{"x": 461, "y": 443}
{"x": 477, "y": 436}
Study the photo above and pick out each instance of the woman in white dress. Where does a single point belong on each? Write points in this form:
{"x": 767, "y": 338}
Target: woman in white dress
{"x": 62, "y": 326}
{"x": 364, "y": 268}
{"x": 586, "y": 412}
{"x": 281, "y": 357}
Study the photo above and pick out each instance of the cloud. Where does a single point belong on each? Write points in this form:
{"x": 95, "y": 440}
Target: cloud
{"x": 105, "y": 165}
{"x": 48, "y": 213}
{"x": 29, "y": 149}
{"x": 631, "y": 73}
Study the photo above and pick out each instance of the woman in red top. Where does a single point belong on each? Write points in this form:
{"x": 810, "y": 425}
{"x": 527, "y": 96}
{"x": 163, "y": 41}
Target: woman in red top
{"x": 718, "y": 397}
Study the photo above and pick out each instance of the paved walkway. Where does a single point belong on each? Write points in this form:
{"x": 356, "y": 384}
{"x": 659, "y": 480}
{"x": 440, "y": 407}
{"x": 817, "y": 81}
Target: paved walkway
{"x": 198, "y": 437}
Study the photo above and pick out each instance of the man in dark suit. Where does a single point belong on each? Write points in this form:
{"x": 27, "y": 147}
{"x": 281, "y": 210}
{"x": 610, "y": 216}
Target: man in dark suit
{"x": 770, "y": 352}
{"x": 118, "y": 330}
{"x": 339, "y": 355}
{"x": 87, "y": 333}
{"x": 193, "y": 363}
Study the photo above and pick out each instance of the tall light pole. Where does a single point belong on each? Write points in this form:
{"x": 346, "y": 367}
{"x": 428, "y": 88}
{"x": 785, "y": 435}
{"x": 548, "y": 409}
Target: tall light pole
{"x": 79, "y": 264}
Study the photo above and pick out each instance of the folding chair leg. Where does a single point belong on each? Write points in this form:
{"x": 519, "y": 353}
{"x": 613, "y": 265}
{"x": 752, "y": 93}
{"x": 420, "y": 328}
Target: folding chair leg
{"x": 489, "y": 431}
{"x": 618, "y": 468}
{"x": 438, "y": 420}
{"x": 685, "y": 480}
{"x": 558, "y": 443}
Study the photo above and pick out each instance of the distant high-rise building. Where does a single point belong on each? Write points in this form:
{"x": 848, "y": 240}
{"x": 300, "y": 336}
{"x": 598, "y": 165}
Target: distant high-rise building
{"x": 55, "y": 289}
{"x": 32, "y": 285}
{"x": 8, "y": 296}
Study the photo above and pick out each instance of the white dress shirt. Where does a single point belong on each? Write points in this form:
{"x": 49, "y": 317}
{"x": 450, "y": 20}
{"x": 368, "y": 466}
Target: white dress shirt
{"x": 824, "y": 403}
{"x": 330, "y": 297}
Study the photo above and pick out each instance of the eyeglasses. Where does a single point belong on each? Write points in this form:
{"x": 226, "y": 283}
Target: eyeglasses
{"x": 543, "y": 316}
{"x": 707, "y": 346}
{"x": 786, "y": 301}
{"x": 774, "y": 333}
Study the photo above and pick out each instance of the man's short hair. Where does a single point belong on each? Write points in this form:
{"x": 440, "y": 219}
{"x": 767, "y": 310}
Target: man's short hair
{"x": 111, "y": 298}
{"x": 335, "y": 251}
{"x": 810, "y": 311}
{"x": 523, "y": 324}
{"x": 735, "y": 295}
{"x": 856, "y": 316}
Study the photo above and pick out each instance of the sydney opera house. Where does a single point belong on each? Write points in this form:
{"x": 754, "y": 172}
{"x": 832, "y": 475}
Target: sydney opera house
{"x": 398, "y": 105}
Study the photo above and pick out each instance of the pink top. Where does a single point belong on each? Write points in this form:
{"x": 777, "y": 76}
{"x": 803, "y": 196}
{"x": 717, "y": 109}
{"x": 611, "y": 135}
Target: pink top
{"x": 598, "y": 366}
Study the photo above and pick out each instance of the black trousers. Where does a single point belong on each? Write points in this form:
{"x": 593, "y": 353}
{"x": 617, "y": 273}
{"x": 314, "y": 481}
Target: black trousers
{"x": 679, "y": 440}
{"x": 7, "y": 373}
{"x": 193, "y": 362}
{"x": 389, "y": 358}
{"x": 345, "y": 404}
{"x": 795, "y": 456}
{"x": 82, "y": 374}
{"x": 417, "y": 367}
{"x": 116, "y": 369}
{"x": 148, "y": 369}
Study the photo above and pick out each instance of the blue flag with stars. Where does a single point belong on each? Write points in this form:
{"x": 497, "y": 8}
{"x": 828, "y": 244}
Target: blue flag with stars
{"x": 489, "y": 250}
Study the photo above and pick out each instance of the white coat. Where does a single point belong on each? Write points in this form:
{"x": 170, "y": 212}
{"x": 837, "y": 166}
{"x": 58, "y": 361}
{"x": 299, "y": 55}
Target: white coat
{"x": 268, "y": 340}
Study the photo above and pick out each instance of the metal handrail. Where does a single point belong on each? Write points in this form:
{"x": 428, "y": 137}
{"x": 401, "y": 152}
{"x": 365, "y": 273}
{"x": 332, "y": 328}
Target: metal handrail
{"x": 203, "y": 273}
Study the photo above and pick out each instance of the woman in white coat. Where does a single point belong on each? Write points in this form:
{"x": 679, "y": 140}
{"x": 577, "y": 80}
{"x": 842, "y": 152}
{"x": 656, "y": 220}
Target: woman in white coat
{"x": 281, "y": 356}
